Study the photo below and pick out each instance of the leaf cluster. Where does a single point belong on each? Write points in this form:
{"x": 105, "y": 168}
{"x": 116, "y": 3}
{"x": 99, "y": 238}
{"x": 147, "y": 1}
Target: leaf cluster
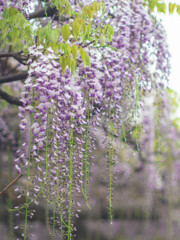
{"x": 16, "y": 30}
{"x": 79, "y": 29}
{"x": 162, "y": 7}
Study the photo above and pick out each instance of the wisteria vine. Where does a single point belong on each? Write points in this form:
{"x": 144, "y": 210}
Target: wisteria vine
{"x": 99, "y": 81}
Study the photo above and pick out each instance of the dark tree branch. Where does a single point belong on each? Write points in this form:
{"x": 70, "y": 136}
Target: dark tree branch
{"x": 16, "y": 55}
{"x": 87, "y": 44}
{"x": 10, "y": 99}
{"x": 50, "y": 11}
{"x": 14, "y": 77}
{"x": 12, "y": 183}
{"x": 9, "y": 54}
{"x": 111, "y": 15}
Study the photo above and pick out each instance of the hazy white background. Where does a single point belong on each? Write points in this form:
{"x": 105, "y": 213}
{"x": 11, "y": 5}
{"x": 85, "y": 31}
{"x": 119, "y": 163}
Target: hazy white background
{"x": 172, "y": 26}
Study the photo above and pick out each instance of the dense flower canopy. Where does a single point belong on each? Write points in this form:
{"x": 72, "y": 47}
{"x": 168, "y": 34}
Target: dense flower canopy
{"x": 89, "y": 66}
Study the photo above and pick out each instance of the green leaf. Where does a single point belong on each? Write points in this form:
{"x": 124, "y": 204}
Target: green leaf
{"x": 9, "y": 13}
{"x": 63, "y": 6}
{"x": 68, "y": 61}
{"x": 74, "y": 50}
{"x": 89, "y": 29}
{"x": 84, "y": 28}
{"x": 65, "y": 32}
{"x": 88, "y": 11}
{"x": 5, "y": 13}
{"x": 63, "y": 63}
{"x": 19, "y": 21}
{"x": 161, "y": 7}
{"x": 171, "y": 7}
{"x": 85, "y": 57}
{"x": 96, "y": 6}
{"x": 76, "y": 29}
{"x": 102, "y": 39}
{"x": 68, "y": 10}
{"x": 152, "y": 4}
{"x": 14, "y": 35}
{"x": 54, "y": 35}
{"x": 66, "y": 48}
{"x": 4, "y": 27}
{"x": 109, "y": 32}
{"x": 73, "y": 67}
{"x": 178, "y": 9}
{"x": 28, "y": 35}
{"x": 87, "y": 60}
{"x": 81, "y": 52}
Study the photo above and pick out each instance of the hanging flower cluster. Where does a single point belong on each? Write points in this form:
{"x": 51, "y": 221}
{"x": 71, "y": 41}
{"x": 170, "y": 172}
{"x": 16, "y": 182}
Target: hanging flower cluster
{"x": 56, "y": 106}
{"x": 62, "y": 109}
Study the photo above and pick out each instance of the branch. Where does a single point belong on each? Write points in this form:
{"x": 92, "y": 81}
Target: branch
{"x": 16, "y": 55}
{"x": 49, "y": 12}
{"x": 12, "y": 183}
{"x": 10, "y": 99}
{"x": 111, "y": 15}
{"x": 13, "y": 77}
{"x": 87, "y": 44}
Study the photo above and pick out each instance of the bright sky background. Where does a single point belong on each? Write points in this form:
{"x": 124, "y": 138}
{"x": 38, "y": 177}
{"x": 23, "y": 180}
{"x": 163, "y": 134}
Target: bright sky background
{"x": 172, "y": 26}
